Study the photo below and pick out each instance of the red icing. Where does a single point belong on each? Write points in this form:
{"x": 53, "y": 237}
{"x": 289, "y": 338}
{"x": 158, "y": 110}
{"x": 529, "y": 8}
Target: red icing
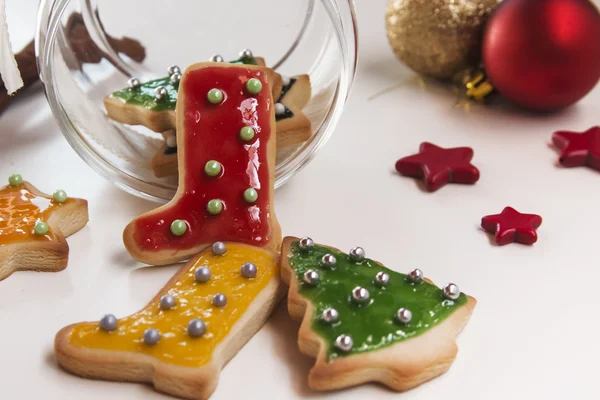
{"x": 438, "y": 166}
{"x": 211, "y": 132}
{"x": 511, "y": 226}
{"x": 578, "y": 149}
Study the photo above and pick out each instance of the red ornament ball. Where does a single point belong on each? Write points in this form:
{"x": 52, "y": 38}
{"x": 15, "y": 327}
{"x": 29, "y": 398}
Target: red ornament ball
{"x": 543, "y": 54}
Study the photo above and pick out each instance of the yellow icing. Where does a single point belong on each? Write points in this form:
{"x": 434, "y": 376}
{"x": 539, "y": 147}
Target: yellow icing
{"x": 19, "y": 210}
{"x": 194, "y": 300}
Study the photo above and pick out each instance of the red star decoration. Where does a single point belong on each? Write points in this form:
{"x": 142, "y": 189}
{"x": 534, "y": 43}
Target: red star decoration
{"x": 512, "y": 226}
{"x": 438, "y": 166}
{"x": 578, "y": 149}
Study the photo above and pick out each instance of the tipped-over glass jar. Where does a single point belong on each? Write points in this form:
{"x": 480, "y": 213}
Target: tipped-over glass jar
{"x": 89, "y": 49}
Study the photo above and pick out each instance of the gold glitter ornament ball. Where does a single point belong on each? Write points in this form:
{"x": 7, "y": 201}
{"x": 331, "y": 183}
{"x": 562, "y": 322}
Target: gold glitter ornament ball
{"x": 438, "y": 38}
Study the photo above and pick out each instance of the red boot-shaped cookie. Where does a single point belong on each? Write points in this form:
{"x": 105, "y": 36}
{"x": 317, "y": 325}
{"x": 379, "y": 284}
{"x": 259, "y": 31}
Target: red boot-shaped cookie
{"x": 226, "y": 150}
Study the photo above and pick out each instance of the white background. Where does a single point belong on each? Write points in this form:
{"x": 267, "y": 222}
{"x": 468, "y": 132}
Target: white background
{"x": 534, "y": 331}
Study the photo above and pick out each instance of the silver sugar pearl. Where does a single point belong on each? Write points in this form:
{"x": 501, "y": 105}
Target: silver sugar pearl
{"x": 328, "y": 261}
{"x": 330, "y": 315}
{"x": 360, "y": 295}
{"x": 160, "y": 93}
{"x": 202, "y": 274}
{"x": 248, "y": 270}
{"x": 306, "y": 243}
{"x": 279, "y": 109}
{"x": 415, "y": 276}
{"x": 344, "y": 343}
{"x": 451, "y": 291}
{"x": 219, "y": 248}
{"x": 219, "y": 300}
{"x": 173, "y": 69}
{"x": 403, "y": 315}
{"x": 285, "y": 80}
{"x": 134, "y": 83}
{"x": 167, "y": 302}
{"x": 108, "y": 323}
{"x": 357, "y": 254}
{"x": 245, "y": 53}
{"x": 311, "y": 277}
{"x": 176, "y": 77}
{"x": 196, "y": 328}
{"x": 151, "y": 336}
{"x": 216, "y": 58}
{"x": 382, "y": 279}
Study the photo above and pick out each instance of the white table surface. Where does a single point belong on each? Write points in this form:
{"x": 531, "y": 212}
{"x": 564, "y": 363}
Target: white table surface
{"x": 533, "y": 333}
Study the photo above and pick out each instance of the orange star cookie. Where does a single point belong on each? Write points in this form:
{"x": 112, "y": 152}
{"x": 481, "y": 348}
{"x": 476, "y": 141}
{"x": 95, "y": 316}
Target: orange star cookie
{"x": 34, "y": 225}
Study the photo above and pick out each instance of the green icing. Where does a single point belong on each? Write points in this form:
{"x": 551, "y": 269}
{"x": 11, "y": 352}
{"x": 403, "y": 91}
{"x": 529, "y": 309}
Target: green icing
{"x": 144, "y": 94}
{"x": 372, "y": 326}
{"x": 244, "y": 60}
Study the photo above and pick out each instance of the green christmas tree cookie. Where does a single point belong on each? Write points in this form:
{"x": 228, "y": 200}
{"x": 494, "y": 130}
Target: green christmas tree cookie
{"x": 152, "y": 104}
{"x": 364, "y": 322}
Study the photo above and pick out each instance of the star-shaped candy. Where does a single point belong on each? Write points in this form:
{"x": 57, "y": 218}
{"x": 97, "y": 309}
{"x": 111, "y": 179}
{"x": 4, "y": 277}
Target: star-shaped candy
{"x": 438, "y": 166}
{"x": 511, "y": 226}
{"x": 578, "y": 149}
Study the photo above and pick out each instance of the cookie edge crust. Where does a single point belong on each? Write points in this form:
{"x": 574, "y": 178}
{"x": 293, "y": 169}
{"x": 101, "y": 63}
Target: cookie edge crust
{"x": 134, "y": 114}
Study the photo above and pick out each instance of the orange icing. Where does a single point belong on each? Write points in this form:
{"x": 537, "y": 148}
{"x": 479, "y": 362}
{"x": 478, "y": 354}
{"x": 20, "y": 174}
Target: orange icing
{"x": 194, "y": 300}
{"x": 19, "y": 210}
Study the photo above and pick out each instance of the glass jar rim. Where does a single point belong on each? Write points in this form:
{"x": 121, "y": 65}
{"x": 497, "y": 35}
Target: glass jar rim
{"x": 343, "y": 18}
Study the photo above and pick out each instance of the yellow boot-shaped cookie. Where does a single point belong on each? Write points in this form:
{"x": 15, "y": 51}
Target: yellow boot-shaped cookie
{"x": 182, "y": 339}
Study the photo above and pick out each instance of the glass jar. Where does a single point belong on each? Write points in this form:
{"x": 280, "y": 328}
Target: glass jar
{"x": 88, "y": 49}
